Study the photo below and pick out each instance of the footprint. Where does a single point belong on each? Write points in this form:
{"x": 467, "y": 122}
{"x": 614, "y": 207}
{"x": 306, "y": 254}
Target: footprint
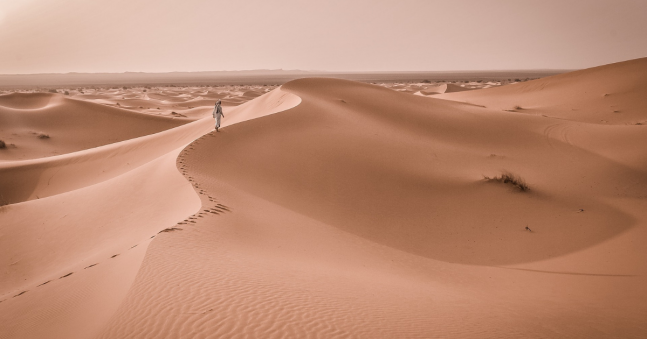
{"x": 114, "y": 256}
{"x": 67, "y": 275}
{"x": 91, "y": 266}
{"x": 44, "y": 283}
{"x": 21, "y": 293}
{"x": 170, "y": 229}
{"x": 132, "y": 247}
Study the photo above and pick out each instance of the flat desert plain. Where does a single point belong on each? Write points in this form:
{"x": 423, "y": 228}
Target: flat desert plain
{"x": 328, "y": 208}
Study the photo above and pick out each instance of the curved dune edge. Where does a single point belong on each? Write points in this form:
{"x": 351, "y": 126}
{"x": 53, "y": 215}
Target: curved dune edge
{"x": 29, "y": 101}
{"x": 273, "y": 102}
{"x": 273, "y": 251}
{"x": 39, "y": 178}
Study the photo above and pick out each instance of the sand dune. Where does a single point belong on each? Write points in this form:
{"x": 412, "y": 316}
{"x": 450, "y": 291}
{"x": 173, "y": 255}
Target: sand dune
{"x": 67, "y": 125}
{"x": 331, "y": 208}
{"x": 610, "y": 94}
{"x": 443, "y": 88}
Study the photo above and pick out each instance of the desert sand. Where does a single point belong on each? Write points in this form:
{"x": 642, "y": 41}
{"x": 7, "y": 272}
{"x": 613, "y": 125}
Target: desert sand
{"x": 328, "y": 208}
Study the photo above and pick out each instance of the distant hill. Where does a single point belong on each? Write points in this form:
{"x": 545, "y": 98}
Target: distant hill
{"x": 251, "y": 77}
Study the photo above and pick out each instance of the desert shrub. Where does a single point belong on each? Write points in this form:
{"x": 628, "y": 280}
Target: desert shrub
{"x": 426, "y": 81}
{"x": 510, "y": 179}
{"x": 2, "y": 144}
{"x": 518, "y": 107}
{"x": 43, "y": 136}
{"x": 125, "y": 87}
{"x": 67, "y": 93}
{"x": 53, "y": 91}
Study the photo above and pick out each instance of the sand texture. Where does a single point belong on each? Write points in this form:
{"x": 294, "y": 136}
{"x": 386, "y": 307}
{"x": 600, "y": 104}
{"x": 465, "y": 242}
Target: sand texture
{"x": 328, "y": 208}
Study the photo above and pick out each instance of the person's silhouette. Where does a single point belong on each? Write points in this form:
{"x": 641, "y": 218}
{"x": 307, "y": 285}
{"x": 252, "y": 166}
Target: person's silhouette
{"x": 217, "y": 114}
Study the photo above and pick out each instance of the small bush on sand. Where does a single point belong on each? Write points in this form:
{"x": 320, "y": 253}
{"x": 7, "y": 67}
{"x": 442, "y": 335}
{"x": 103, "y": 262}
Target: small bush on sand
{"x": 43, "y": 136}
{"x": 53, "y": 91}
{"x": 425, "y": 81}
{"x": 2, "y": 144}
{"x": 511, "y": 179}
{"x": 67, "y": 93}
{"x": 517, "y": 108}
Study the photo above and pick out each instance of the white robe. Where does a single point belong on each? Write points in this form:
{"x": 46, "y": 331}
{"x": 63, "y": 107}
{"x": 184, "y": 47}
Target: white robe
{"x": 217, "y": 114}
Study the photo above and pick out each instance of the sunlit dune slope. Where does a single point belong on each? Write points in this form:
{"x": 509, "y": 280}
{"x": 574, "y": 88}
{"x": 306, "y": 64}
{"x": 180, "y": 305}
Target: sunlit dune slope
{"x": 444, "y": 88}
{"x": 609, "y": 94}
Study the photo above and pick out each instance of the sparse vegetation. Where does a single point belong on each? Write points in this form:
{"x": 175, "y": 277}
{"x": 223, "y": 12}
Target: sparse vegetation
{"x": 511, "y": 179}
{"x": 53, "y": 91}
{"x": 2, "y": 144}
{"x": 517, "y": 108}
{"x": 67, "y": 93}
{"x": 43, "y": 136}
{"x": 425, "y": 81}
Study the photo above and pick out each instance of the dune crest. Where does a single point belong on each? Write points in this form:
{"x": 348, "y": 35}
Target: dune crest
{"x": 273, "y": 102}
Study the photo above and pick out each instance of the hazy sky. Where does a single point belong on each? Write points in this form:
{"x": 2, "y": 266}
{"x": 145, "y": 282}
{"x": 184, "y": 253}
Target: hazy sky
{"x": 38, "y": 36}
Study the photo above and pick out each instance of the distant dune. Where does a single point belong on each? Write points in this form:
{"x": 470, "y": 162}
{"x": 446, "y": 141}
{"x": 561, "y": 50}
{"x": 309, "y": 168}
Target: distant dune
{"x": 330, "y": 208}
{"x": 253, "y": 77}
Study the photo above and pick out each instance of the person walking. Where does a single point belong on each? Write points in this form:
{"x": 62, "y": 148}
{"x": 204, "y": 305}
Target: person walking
{"x": 217, "y": 114}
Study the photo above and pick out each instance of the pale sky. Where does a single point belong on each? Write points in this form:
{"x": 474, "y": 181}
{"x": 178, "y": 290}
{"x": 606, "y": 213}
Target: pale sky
{"x": 53, "y": 36}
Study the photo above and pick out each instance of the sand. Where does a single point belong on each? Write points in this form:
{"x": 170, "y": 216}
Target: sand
{"x": 331, "y": 208}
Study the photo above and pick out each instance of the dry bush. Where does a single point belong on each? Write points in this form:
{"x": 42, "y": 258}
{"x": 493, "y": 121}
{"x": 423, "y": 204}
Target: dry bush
{"x": 2, "y": 144}
{"x": 43, "y": 136}
{"x": 511, "y": 179}
{"x": 53, "y": 91}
